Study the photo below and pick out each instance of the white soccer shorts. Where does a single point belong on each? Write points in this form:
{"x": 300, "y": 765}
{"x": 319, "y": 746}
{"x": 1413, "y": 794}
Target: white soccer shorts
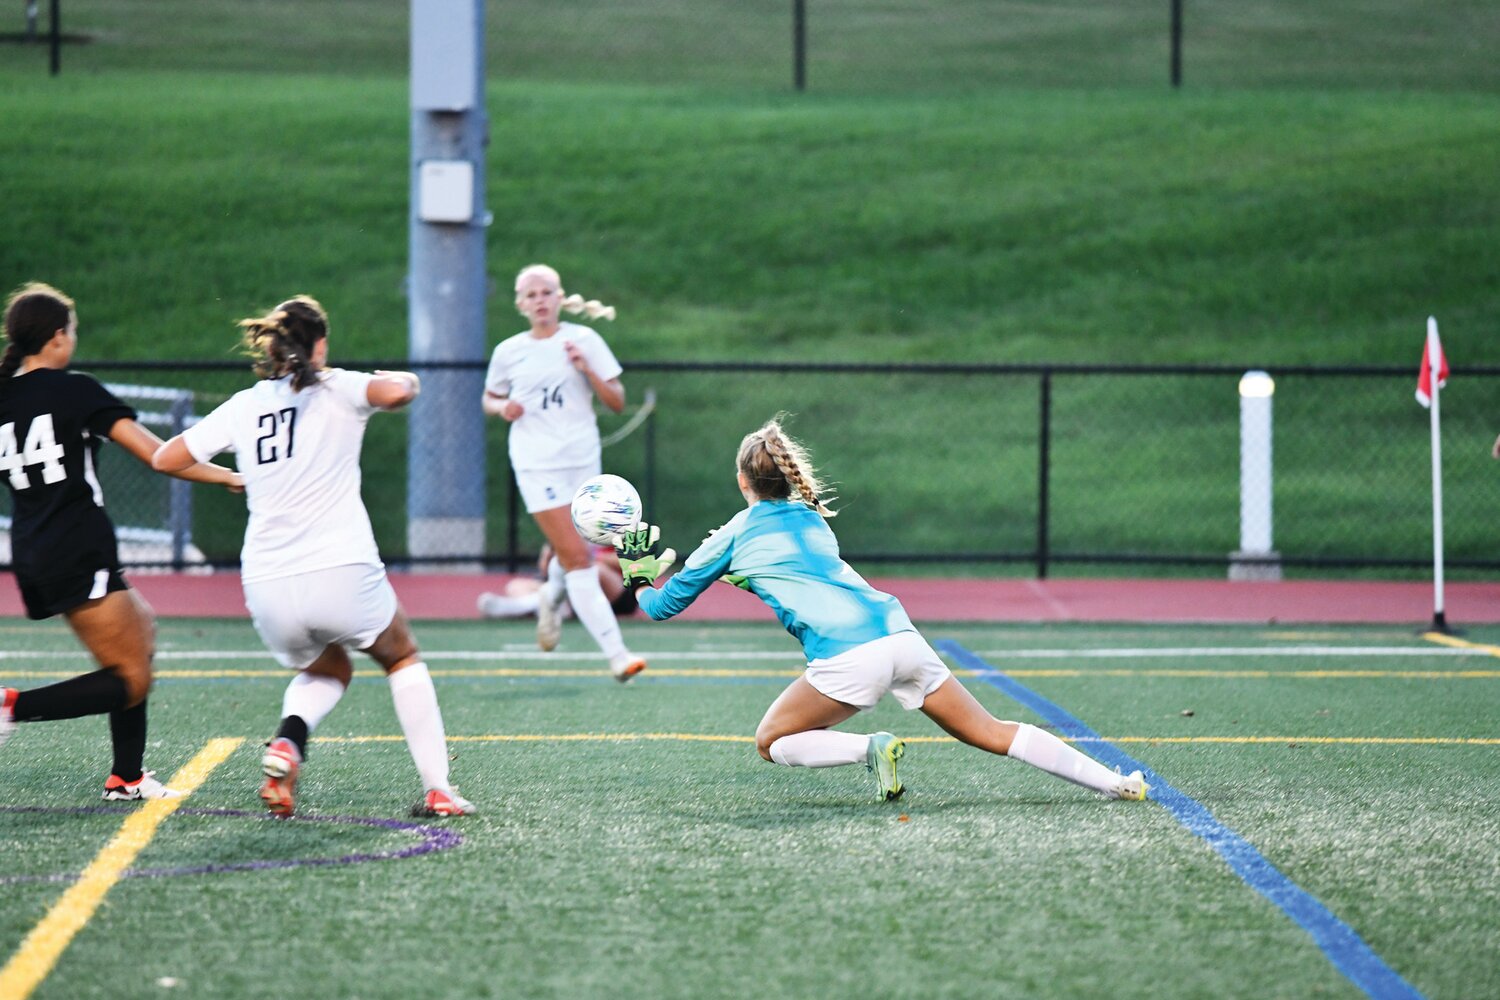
{"x": 901, "y": 664}
{"x": 300, "y": 616}
{"x": 544, "y": 489}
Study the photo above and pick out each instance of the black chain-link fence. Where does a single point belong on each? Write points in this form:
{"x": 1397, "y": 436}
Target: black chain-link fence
{"x": 1014, "y": 469}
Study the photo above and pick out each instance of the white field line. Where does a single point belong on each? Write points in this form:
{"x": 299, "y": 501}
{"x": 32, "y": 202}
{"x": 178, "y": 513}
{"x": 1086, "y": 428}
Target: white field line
{"x": 1129, "y": 653}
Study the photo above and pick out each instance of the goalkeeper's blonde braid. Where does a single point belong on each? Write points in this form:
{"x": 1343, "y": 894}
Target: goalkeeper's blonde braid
{"x": 775, "y": 465}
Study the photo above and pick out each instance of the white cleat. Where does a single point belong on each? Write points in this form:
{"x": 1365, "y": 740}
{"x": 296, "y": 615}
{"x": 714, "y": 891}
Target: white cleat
{"x": 626, "y": 665}
{"x": 144, "y": 787}
{"x": 548, "y": 625}
{"x": 1133, "y": 788}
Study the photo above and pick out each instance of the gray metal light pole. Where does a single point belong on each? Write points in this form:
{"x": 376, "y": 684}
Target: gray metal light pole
{"x": 449, "y": 132}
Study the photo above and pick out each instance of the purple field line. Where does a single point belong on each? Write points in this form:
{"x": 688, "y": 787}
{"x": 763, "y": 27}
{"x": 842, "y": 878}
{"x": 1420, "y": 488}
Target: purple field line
{"x": 433, "y": 839}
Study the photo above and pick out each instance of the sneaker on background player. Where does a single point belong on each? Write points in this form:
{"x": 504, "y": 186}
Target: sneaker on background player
{"x": 116, "y": 789}
{"x": 281, "y": 763}
{"x": 443, "y": 802}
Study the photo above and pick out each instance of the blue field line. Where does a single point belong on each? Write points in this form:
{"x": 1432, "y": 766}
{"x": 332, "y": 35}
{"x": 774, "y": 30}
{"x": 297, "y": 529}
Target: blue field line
{"x": 1336, "y": 939}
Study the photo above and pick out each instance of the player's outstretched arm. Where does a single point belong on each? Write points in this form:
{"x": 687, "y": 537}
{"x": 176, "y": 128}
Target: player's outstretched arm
{"x": 146, "y": 446}
{"x": 393, "y": 390}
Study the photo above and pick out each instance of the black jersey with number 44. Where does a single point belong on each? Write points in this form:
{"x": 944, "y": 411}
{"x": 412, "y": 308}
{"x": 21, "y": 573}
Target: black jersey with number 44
{"x": 51, "y": 425}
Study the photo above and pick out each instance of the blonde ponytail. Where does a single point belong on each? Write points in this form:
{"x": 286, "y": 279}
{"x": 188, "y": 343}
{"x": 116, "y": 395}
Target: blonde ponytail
{"x": 592, "y": 308}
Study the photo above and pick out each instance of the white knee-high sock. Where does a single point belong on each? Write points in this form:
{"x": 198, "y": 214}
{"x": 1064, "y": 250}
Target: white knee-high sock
{"x": 421, "y": 723}
{"x": 592, "y": 608}
{"x": 311, "y": 697}
{"x": 555, "y": 585}
{"x": 1040, "y": 748}
{"x": 820, "y": 748}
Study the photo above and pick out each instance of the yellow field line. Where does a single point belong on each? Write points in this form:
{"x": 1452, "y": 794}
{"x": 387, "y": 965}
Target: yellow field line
{"x": 1457, "y": 643}
{"x": 732, "y": 672}
{"x": 41, "y": 949}
{"x": 721, "y": 738}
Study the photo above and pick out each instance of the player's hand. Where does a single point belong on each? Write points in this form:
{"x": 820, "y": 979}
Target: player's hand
{"x": 575, "y": 356}
{"x": 1495, "y": 451}
{"x": 735, "y": 580}
{"x": 511, "y": 410}
{"x": 235, "y": 483}
{"x": 642, "y": 559}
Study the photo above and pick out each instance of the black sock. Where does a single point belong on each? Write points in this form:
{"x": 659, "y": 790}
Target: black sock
{"x": 90, "y": 694}
{"x": 294, "y": 729}
{"x": 127, "y": 731}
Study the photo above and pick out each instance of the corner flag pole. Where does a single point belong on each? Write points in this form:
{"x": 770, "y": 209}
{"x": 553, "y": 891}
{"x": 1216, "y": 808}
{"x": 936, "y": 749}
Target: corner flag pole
{"x": 1435, "y": 363}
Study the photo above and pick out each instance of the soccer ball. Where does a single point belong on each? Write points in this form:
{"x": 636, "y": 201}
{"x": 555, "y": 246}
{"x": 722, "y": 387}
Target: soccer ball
{"x": 605, "y": 506}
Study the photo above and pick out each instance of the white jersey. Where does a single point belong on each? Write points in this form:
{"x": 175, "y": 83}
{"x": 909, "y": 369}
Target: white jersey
{"x": 558, "y": 429}
{"x": 299, "y": 454}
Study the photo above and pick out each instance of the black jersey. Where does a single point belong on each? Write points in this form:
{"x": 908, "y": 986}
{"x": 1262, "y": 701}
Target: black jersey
{"x": 51, "y": 425}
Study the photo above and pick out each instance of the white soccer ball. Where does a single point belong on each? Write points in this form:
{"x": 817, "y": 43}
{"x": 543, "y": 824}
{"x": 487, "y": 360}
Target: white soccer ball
{"x": 605, "y": 506}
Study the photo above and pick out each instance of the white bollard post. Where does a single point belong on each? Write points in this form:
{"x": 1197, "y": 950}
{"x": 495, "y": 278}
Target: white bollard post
{"x": 1256, "y": 559}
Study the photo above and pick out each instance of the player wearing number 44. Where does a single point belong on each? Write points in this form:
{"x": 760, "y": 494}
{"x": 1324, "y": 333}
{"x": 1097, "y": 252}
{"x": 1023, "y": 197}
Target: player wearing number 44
{"x": 52, "y": 422}
{"x": 543, "y": 382}
{"x": 313, "y": 579}
{"x": 859, "y": 642}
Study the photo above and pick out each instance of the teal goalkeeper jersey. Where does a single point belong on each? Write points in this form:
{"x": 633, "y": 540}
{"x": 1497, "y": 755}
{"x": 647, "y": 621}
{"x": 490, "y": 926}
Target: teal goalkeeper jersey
{"x": 789, "y": 556}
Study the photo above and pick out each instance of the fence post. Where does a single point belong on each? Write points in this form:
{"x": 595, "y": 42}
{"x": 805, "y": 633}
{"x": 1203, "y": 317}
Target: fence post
{"x": 180, "y": 491}
{"x": 799, "y": 44}
{"x": 512, "y": 519}
{"x": 56, "y": 39}
{"x": 1255, "y": 560}
{"x": 1044, "y": 464}
{"x": 1176, "y": 43}
{"x": 650, "y": 498}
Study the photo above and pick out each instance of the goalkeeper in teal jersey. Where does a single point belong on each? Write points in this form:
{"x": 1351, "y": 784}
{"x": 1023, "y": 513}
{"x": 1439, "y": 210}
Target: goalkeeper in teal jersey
{"x": 859, "y": 643}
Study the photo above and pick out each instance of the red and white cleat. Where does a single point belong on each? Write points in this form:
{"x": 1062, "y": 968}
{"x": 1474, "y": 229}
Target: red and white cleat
{"x": 441, "y": 802}
{"x": 7, "y": 713}
{"x": 280, "y": 764}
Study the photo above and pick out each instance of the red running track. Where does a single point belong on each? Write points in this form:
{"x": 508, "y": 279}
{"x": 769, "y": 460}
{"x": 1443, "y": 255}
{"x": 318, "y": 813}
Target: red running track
{"x": 1054, "y": 600}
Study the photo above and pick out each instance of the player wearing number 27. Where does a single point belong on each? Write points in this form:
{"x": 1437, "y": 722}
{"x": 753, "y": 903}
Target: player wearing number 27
{"x": 313, "y": 579}
{"x": 860, "y": 644}
{"x": 543, "y": 382}
{"x": 52, "y": 422}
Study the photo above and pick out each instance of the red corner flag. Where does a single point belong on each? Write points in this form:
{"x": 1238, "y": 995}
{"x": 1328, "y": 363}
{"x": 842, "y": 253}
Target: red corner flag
{"x": 1424, "y": 375}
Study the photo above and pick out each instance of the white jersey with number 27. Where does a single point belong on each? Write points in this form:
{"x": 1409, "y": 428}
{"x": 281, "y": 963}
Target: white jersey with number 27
{"x": 558, "y": 429}
{"x": 299, "y": 454}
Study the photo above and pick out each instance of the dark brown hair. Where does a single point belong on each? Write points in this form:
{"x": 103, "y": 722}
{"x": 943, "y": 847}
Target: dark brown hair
{"x": 775, "y": 466}
{"x": 33, "y": 315}
{"x": 282, "y": 341}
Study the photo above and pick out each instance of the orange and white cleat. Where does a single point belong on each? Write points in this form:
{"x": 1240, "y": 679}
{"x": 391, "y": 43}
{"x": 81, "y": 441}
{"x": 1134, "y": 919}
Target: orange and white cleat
{"x": 117, "y": 789}
{"x": 281, "y": 763}
{"x": 625, "y": 666}
{"x": 443, "y": 802}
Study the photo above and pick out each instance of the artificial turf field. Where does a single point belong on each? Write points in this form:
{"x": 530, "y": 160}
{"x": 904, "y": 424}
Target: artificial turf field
{"x": 633, "y": 845}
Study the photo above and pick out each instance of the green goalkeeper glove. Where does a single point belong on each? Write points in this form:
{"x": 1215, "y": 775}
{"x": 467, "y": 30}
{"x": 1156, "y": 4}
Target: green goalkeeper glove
{"x": 642, "y": 559}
